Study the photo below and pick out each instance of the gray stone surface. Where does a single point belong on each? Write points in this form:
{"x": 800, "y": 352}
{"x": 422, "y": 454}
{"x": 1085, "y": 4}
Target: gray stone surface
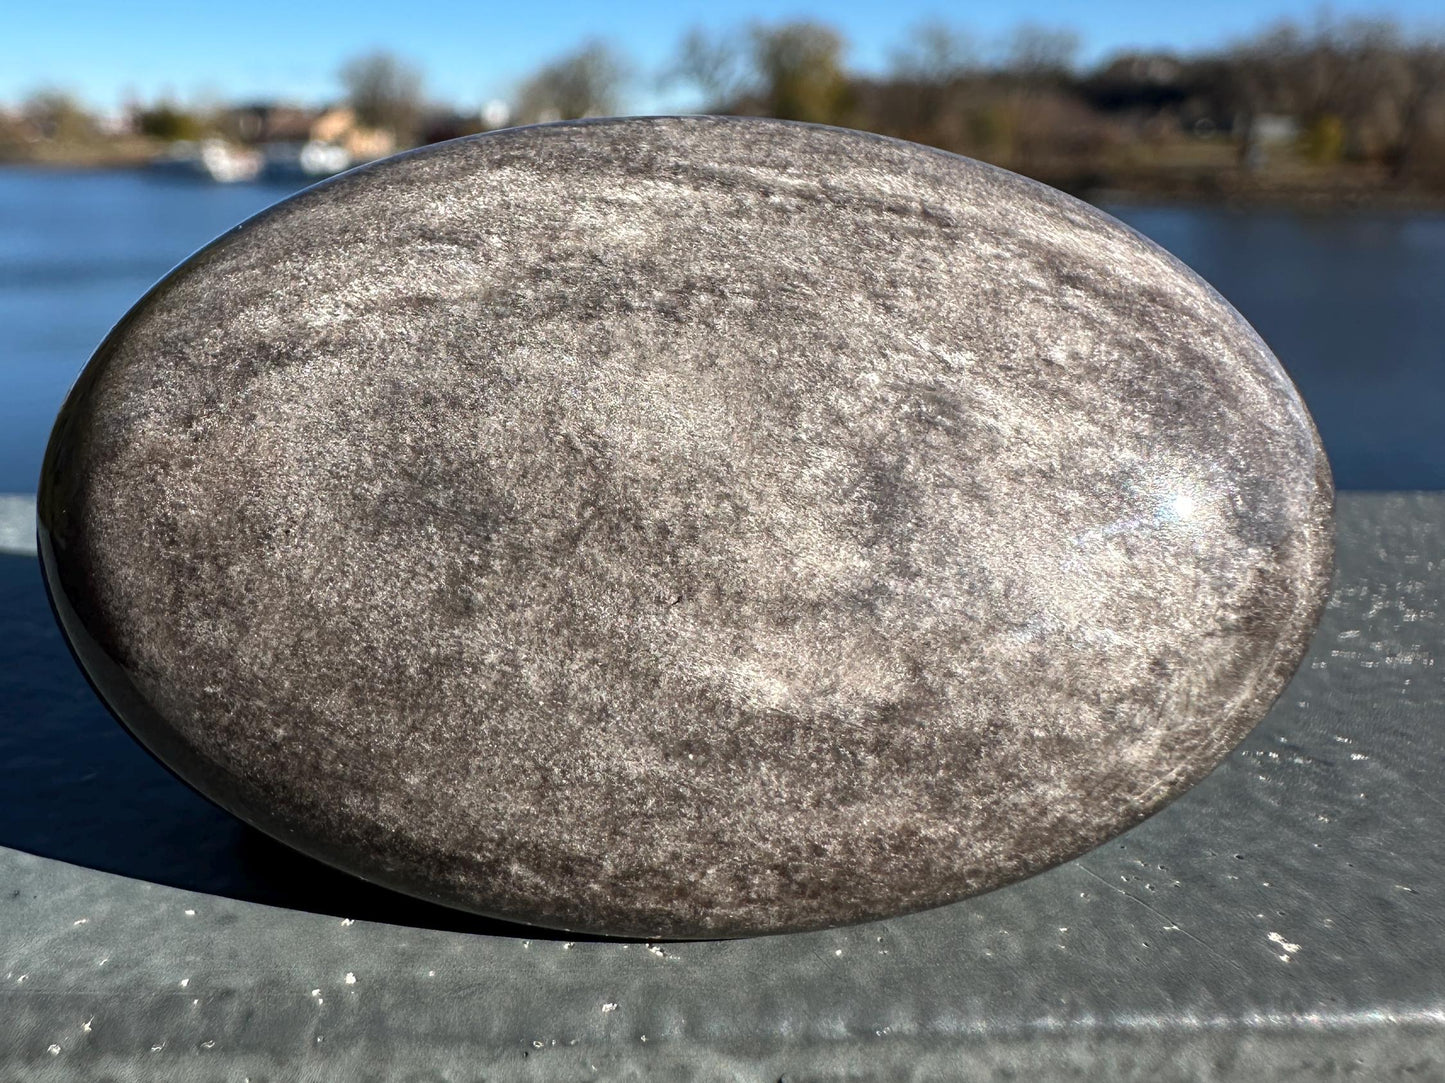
{"x": 1281, "y": 921}
{"x": 686, "y": 527}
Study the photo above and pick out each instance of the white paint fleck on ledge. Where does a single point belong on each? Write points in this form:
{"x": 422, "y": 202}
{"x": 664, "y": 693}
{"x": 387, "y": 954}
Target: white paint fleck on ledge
{"x": 1289, "y": 948}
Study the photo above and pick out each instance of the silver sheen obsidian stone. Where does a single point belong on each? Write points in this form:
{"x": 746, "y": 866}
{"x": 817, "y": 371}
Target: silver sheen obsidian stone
{"x": 686, "y": 527}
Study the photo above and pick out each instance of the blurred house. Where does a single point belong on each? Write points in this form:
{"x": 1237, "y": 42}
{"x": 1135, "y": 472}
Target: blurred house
{"x": 268, "y": 122}
{"x": 1265, "y": 134}
{"x": 281, "y": 141}
{"x": 331, "y": 141}
{"x": 339, "y": 126}
{"x": 113, "y": 123}
{"x": 1274, "y": 130}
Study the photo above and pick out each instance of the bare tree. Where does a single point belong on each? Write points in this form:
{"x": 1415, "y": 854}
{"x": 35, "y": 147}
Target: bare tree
{"x": 799, "y": 66}
{"x": 712, "y": 63}
{"x": 1421, "y": 144}
{"x": 56, "y": 115}
{"x": 385, "y": 92}
{"x": 1036, "y": 51}
{"x": 584, "y": 83}
{"x": 1357, "y": 88}
{"x": 935, "y": 52}
{"x": 933, "y": 63}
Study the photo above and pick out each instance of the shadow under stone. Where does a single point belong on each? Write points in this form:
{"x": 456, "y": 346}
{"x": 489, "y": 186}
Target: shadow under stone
{"x": 76, "y": 787}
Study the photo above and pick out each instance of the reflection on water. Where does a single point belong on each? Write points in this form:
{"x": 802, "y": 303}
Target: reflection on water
{"x": 1353, "y": 304}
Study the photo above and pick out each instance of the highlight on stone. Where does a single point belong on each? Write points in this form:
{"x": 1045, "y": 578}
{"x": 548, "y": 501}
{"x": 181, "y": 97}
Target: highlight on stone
{"x": 686, "y": 527}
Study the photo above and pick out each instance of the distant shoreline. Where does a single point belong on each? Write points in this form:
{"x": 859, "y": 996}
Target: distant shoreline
{"x": 1308, "y": 200}
{"x": 1323, "y": 191}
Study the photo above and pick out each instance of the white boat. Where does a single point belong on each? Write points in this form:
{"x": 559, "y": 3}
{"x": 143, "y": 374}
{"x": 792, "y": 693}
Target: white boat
{"x": 211, "y": 159}
{"x": 309, "y": 160}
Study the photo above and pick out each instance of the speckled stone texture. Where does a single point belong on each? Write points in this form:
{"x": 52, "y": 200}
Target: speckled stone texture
{"x": 686, "y": 527}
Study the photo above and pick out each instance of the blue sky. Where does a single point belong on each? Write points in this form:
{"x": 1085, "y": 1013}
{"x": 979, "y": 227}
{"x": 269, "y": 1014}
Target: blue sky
{"x": 103, "y": 50}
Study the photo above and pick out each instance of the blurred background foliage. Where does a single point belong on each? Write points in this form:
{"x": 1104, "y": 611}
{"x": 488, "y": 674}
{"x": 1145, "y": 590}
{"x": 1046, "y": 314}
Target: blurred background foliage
{"x": 1350, "y": 109}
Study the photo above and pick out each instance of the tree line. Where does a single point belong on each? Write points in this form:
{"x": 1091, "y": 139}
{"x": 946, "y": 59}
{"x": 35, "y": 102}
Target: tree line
{"x": 1335, "y": 93}
{"x": 1341, "y": 95}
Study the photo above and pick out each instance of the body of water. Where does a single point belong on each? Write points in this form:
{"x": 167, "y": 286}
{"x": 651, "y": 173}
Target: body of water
{"x": 1354, "y": 304}
{"x": 77, "y": 250}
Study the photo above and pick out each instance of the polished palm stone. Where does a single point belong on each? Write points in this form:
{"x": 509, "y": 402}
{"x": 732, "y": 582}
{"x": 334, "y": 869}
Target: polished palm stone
{"x": 686, "y": 527}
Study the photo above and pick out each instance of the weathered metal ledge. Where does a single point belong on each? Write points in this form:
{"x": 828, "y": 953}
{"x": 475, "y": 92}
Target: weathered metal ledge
{"x": 1285, "y": 919}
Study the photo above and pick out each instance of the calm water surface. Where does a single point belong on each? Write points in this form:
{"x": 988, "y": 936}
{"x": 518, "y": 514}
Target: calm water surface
{"x": 1353, "y": 304}
{"x": 77, "y": 249}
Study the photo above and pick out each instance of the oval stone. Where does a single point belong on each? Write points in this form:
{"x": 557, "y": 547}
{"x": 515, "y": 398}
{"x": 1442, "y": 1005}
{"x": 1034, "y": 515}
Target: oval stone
{"x": 686, "y": 527}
